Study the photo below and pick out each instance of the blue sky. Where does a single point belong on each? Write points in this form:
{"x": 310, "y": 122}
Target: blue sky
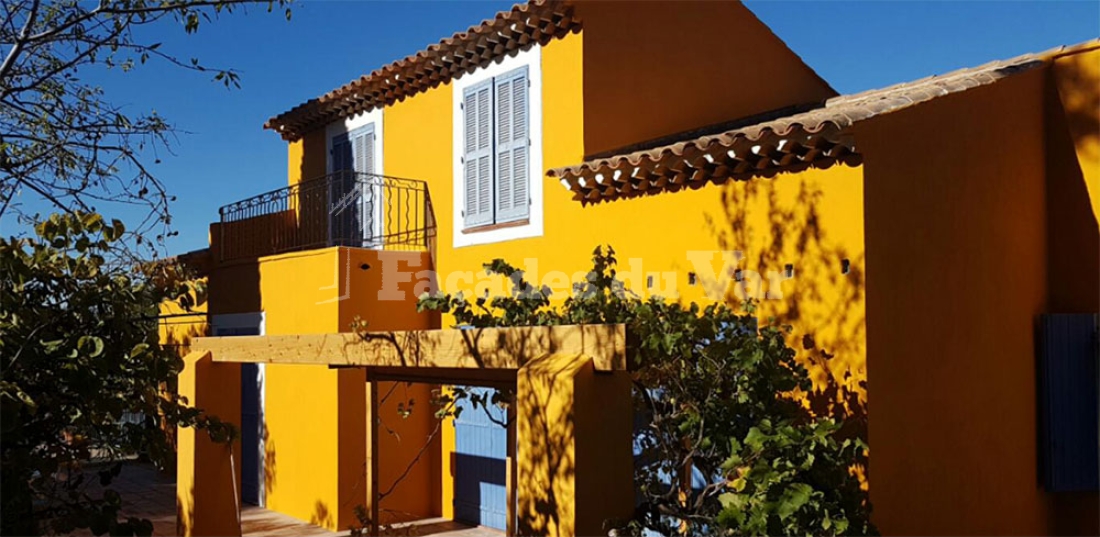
{"x": 224, "y": 154}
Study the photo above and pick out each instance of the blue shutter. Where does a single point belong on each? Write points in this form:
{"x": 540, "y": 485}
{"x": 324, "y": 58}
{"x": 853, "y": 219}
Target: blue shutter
{"x": 370, "y": 191}
{"x": 477, "y": 166}
{"x": 341, "y": 219}
{"x": 512, "y": 146}
{"x": 1069, "y": 401}
{"x": 341, "y": 153}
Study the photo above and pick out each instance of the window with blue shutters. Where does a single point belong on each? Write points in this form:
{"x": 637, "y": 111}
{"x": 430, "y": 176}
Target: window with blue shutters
{"x": 354, "y": 198}
{"x": 496, "y": 146}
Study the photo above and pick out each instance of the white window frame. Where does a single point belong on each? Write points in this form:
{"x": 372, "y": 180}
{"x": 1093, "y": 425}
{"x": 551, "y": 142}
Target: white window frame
{"x": 532, "y": 59}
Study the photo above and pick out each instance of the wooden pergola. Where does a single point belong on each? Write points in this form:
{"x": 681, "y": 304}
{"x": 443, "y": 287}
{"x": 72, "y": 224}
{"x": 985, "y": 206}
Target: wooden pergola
{"x": 572, "y": 403}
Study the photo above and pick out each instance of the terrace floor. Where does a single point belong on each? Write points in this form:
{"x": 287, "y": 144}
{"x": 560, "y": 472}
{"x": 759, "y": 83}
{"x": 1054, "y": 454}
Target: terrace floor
{"x": 148, "y": 493}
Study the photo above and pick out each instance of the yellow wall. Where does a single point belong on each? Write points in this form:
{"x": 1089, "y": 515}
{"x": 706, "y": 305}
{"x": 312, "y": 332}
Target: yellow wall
{"x": 812, "y": 220}
{"x": 1073, "y": 181}
{"x": 303, "y": 405}
{"x": 400, "y": 438}
{"x": 574, "y": 465}
{"x": 316, "y": 429}
{"x": 951, "y": 232}
{"x": 306, "y": 157}
{"x": 206, "y": 476}
{"x": 658, "y": 68}
{"x": 178, "y": 326}
{"x": 1077, "y": 77}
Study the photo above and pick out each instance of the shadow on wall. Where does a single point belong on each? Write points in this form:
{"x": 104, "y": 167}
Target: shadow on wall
{"x": 1072, "y": 232}
{"x": 1073, "y": 158}
{"x": 487, "y": 350}
{"x": 788, "y": 221}
{"x": 321, "y": 515}
{"x": 1077, "y": 79}
{"x": 269, "y": 464}
{"x": 178, "y": 335}
{"x": 185, "y": 519}
{"x": 547, "y": 462}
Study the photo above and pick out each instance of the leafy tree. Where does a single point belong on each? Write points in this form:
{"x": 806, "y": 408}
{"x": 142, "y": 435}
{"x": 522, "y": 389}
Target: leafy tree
{"x": 61, "y": 138}
{"x": 80, "y": 352}
{"x": 726, "y": 447}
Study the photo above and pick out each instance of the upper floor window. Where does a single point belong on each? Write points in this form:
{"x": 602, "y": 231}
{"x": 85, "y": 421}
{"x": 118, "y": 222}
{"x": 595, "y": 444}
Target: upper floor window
{"x": 354, "y": 195}
{"x": 496, "y": 150}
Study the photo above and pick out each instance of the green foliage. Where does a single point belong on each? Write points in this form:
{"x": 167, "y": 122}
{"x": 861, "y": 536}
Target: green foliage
{"x": 80, "y": 351}
{"x": 717, "y": 391}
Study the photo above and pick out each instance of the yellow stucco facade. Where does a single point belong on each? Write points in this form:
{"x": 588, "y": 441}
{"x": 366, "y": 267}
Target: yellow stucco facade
{"x": 852, "y": 257}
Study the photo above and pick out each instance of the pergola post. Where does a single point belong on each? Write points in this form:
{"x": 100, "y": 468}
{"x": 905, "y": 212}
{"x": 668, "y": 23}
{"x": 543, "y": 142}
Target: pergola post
{"x": 208, "y": 474}
{"x": 372, "y": 456}
{"x": 575, "y": 459}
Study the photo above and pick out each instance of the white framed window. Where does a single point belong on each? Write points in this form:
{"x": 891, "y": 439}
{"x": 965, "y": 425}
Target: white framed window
{"x": 498, "y": 151}
{"x": 357, "y": 123}
{"x": 355, "y": 204}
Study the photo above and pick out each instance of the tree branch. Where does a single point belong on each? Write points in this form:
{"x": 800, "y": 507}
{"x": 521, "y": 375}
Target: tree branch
{"x": 21, "y": 42}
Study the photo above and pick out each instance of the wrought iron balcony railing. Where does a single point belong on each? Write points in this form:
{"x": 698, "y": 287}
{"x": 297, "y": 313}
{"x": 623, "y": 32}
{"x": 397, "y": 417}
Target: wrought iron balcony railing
{"x": 346, "y": 208}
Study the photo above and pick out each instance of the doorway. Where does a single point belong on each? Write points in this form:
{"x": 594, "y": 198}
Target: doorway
{"x": 481, "y": 463}
{"x": 252, "y": 405}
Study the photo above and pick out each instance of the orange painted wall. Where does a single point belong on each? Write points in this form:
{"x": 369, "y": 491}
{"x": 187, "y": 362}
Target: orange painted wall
{"x": 1073, "y": 232}
{"x": 653, "y": 69}
{"x": 384, "y": 300}
{"x": 1072, "y": 108}
{"x": 957, "y": 273}
{"x": 306, "y": 157}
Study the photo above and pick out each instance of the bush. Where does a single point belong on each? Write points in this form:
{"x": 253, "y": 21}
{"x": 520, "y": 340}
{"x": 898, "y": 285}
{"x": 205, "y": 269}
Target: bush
{"x": 81, "y": 357}
{"x": 726, "y": 446}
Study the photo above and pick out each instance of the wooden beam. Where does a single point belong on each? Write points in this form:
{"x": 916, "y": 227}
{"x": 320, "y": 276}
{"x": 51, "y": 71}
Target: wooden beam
{"x": 476, "y": 348}
{"x": 490, "y": 378}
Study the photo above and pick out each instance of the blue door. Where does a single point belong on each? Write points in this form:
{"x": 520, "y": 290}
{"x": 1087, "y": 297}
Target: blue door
{"x": 252, "y": 433}
{"x": 480, "y": 459}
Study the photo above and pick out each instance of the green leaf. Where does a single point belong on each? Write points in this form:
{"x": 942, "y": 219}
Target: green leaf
{"x": 793, "y": 499}
{"x": 840, "y": 526}
{"x": 138, "y": 349}
{"x": 94, "y": 342}
{"x": 755, "y": 439}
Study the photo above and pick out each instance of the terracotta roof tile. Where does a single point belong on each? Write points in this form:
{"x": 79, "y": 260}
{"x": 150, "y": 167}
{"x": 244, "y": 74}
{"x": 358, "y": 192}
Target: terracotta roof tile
{"x": 534, "y": 22}
{"x": 818, "y": 137}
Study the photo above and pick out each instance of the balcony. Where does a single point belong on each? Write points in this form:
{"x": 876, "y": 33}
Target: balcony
{"x": 354, "y": 209}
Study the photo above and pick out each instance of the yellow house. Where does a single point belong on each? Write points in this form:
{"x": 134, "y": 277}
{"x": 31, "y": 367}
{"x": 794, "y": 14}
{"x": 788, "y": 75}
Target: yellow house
{"x": 919, "y": 234}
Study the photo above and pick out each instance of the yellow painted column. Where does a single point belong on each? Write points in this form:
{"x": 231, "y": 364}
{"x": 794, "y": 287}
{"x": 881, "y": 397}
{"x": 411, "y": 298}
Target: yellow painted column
{"x": 208, "y": 474}
{"x": 574, "y": 468}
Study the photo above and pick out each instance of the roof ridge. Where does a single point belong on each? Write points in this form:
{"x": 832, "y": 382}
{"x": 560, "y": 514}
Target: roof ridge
{"x": 813, "y": 137}
{"x": 1015, "y": 61}
{"x": 524, "y": 25}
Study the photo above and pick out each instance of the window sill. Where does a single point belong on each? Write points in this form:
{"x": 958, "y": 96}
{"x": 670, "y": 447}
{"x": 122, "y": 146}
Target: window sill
{"x": 491, "y": 227}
